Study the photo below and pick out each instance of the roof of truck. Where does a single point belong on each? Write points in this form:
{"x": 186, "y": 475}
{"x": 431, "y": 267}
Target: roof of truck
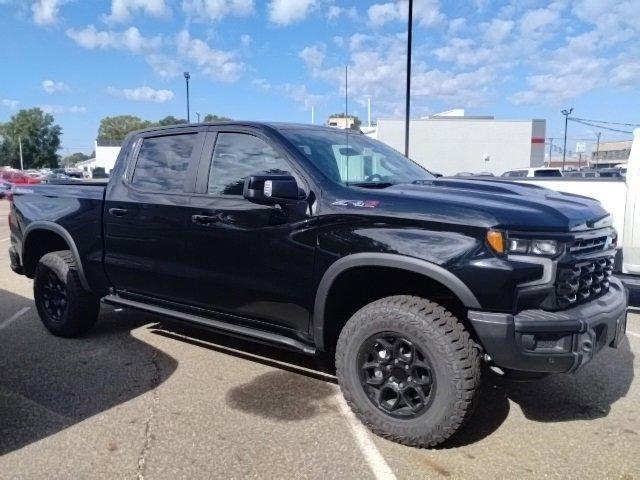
{"x": 239, "y": 123}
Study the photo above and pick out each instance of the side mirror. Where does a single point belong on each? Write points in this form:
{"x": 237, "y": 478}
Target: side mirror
{"x": 271, "y": 189}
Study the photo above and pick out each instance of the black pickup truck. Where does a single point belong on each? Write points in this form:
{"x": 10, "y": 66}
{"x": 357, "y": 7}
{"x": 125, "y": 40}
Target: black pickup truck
{"x": 320, "y": 239}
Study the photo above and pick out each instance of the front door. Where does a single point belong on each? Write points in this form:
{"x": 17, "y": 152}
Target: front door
{"x": 250, "y": 260}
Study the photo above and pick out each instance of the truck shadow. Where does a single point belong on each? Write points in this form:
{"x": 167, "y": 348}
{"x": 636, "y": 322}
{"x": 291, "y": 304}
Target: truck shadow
{"x": 48, "y": 384}
{"x": 586, "y": 395}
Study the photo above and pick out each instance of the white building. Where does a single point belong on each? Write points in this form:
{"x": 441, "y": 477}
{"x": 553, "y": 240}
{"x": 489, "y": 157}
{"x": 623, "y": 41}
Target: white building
{"x": 450, "y": 142}
{"x": 106, "y": 155}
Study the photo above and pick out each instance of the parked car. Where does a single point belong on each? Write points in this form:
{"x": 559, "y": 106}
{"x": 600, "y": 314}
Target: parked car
{"x": 582, "y": 174}
{"x": 18, "y": 177}
{"x": 533, "y": 172}
{"x": 269, "y": 231}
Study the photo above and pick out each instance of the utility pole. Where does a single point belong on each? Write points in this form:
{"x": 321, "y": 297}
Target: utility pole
{"x": 313, "y": 115}
{"x": 598, "y": 149}
{"x": 566, "y": 114}
{"x": 20, "y": 146}
{"x": 369, "y": 111}
{"x": 407, "y": 109}
{"x": 346, "y": 96}
{"x": 187, "y": 76}
{"x": 550, "y": 148}
{"x": 198, "y": 117}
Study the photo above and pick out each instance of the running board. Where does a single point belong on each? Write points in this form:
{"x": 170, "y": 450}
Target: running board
{"x": 218, "y": 325}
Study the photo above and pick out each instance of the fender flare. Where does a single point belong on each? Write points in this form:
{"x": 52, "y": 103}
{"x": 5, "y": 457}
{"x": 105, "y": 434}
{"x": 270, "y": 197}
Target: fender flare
{"x": 55, "y": 228}
{"x": 422, "y": 267}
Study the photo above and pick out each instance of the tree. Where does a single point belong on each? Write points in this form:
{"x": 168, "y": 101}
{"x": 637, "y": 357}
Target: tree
{"x": 215, "y": 118}
{"x": 171, "y": 120}
{"x": 74, "y": 158}
{"x": 114, "y": 129}
{"x": 356, "y": 121}
{"x": 39, "y": 135}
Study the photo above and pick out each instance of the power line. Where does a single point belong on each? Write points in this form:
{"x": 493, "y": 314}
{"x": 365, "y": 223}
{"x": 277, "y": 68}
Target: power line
{"x": 599, "y": 126}
{"x": 608, "y": 123}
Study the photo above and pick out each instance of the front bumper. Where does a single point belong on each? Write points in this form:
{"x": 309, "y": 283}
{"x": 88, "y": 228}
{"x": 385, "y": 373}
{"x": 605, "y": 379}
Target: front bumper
{"x": 553, "y": 342}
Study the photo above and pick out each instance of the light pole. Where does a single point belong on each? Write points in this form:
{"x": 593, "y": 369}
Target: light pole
{"x": 598, "y": 149}
{"x": 187, "y": 77}
{"x": 550, "y": 148}
{"x": 566, "y": 114}
{"x": 198, "y": 117}
{"x": 407, "y": 109}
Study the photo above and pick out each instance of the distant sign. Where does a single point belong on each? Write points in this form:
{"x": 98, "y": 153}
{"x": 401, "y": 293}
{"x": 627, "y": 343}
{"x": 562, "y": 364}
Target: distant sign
{"x": 581, "y": 147}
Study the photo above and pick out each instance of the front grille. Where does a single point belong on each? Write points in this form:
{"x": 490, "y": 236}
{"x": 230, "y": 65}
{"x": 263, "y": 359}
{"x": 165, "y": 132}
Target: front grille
{"x": 588, "y": 245}
{"x": 583, "y": 281}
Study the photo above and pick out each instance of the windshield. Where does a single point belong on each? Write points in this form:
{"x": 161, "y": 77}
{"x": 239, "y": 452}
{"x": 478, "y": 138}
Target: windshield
{"x": 355, "y": 159}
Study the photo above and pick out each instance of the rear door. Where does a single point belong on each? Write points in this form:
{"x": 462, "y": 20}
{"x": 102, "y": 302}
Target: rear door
{"x": 250, "y": 260}
{"x": 145, "y": 215}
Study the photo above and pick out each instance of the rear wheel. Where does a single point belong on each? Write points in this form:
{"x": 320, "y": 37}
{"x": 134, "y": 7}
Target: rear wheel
{"x": 64, "y": 306}
{"x": 408, "y": 369}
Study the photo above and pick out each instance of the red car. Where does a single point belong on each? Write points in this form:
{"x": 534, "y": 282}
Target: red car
{"x": 18, "y": 178}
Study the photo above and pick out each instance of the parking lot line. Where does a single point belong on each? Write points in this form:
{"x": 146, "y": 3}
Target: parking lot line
{"x": 379, "y": 466}
{"x": 14, "y": 317}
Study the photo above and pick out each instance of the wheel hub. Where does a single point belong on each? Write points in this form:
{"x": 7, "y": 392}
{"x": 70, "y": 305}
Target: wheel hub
{"x": 55, "y": 296}
{"x": 396, "y": 375}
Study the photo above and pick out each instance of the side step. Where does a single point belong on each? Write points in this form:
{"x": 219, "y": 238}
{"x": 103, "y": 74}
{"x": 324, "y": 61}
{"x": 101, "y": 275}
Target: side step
{"x": 224, "y": 326}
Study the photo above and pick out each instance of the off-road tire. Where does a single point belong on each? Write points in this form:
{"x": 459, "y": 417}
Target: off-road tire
{"x": 453, "y": 354}
{"x": 82, "y": 307}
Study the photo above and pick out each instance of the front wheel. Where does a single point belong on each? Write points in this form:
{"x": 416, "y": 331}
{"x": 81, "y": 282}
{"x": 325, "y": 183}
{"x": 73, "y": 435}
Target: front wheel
{"x": 408, "y": 369}
{"x": 64, "y": 306}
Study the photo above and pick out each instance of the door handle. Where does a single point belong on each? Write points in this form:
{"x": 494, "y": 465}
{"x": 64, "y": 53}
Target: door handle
{"x": 118, "y": 212}
{"x": 205, "y": 219}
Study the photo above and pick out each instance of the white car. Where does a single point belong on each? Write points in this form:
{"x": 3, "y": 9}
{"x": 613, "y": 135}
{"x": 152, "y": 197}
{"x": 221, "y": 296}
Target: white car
{"x": 533, "y": 172}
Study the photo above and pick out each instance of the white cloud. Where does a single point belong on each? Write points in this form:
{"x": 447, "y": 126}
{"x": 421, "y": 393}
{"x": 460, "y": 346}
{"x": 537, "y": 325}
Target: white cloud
{"x": 9, "y": 103}
{"x": 62, "y": 109}
{"x": 497, "y": 30}
{"x": 334, "y": 12}
{"x": 130, "y": 39}
{"x": 51, "y": 86}
{"x": 538, "y": 21}
{"x": 45, "y": 12}
{"x": 313, "y": 55}
{"x": 124, "y": 10}
{"x": 627, "y": 74}
{"x": 286, "y": 12}
{"x": 163, "y": 65}
{"x": 425, "y": 12}
{"x": 142, "y": 94}
{"x": 261, "y": 83}
{"x": 300, "y": 94}
{"x": 215, "y": 10}
{"x": 217, "y": 64}
{"x": 245, "y": 40}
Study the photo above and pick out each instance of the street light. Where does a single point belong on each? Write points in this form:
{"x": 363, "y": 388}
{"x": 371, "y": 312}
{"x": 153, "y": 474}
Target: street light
{"x": 566, "y": 114}
{"x": 187, "y": 77}
{"x": 408, "y": 94}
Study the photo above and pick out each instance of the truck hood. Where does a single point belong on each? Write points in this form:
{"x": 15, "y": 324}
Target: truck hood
{"x": 511, "y": 205}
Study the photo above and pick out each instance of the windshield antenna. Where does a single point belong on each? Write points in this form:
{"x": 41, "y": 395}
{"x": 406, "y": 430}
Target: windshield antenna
{"x": 346, "y": 114}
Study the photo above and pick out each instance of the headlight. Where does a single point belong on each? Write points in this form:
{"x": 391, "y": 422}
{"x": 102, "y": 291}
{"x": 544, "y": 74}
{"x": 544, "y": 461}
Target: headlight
{"x": 523, "y": 246}
{"x": 502, "y": 244}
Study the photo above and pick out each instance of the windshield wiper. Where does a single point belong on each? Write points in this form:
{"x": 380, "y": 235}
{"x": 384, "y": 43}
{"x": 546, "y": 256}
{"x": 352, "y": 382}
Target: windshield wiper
{"x": 371, "y": 184}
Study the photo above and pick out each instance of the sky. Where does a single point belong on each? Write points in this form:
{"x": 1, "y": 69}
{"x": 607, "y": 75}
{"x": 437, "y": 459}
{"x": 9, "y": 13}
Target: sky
{"x": 82, "y": 60}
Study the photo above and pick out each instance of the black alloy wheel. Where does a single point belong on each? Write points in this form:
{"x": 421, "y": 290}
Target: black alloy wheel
{"x": 54, "y": 297}
{"x": 396, "y": 375}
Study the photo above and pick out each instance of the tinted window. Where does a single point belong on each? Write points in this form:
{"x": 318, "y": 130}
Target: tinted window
{"x": 547, "y": 173}
{"x": 238, "y": 155}
{"x": 163, "y": 162}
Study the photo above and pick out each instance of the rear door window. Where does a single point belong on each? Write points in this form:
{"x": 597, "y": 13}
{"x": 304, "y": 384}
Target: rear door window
{"x": 163, "y": 162}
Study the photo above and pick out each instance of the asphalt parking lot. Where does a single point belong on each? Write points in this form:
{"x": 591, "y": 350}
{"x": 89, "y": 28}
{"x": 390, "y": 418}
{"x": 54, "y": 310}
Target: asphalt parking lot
{"x": 143, "y": 398}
